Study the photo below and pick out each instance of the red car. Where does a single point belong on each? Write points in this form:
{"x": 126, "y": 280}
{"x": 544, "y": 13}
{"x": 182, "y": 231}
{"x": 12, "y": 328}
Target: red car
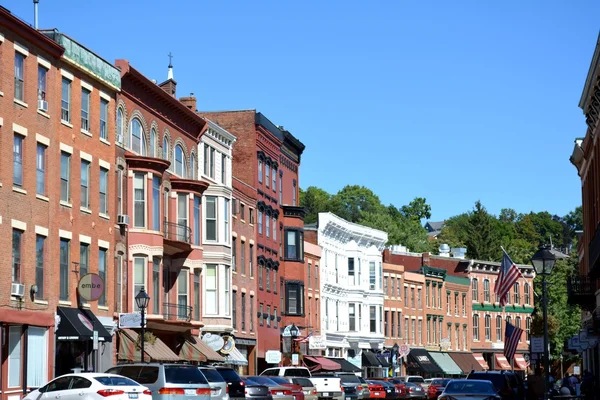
{"x": 376, "y": 390}
{"x": 297, "y": 390}
{"x": 400, "y": 384}
{"x": 436, "y": 388}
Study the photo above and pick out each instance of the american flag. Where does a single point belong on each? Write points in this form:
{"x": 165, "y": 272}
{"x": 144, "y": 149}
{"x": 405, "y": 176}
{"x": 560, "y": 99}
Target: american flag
{"x": 304, "y": 339}
{"x": 509, "y": 274}
{"x": 512, "y": 335}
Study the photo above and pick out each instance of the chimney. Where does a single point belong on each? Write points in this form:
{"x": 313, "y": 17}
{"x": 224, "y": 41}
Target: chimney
{"x": 189, "y": 102}
{"x": 425, "y": 259}
{"x": 35, "y": 13}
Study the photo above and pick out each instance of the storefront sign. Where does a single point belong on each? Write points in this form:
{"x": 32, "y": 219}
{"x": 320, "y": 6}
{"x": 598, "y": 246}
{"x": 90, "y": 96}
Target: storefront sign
{"x": 403, "y": 350}
{"x": 228, "y": 346}
{"x": 215, "y": 342}
{"x": 273, "y": 357}
{"x": 91, "y": 287}
{"x": 295, "y": 359}
{"x": 130, "y": 320}
{"x": 537, "y": 344}
{"x": 445, "y": 344}
{"x": 316, "y": 343}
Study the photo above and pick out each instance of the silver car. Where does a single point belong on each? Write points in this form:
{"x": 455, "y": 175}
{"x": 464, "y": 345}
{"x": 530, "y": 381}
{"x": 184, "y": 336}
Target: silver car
{"x": 467, "y": 389}
{"x": 218, "y": 386}
{"x": 167, "y": 381}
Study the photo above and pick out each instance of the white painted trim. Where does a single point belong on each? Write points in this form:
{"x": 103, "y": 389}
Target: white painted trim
{"x": 66, "y": 148}
{"x": 105, "y": 96}
{"x": 40, "y": 230}
{"x": 67, "y": 74}
{"x": 21, "y": 130}
{"x": 65, "y": 234}
{"x": 1, "y": 37}
{"x": 1, "y": 121}
{"x": 18, "y": 224}
{"x": 85, "y": 156}
{"x": 243, "y": 239}
{"x": 42, "y": 139}
{"x": 21, "y": 49}
{"x": 43, "y": 62}
{"x": 251, "y": 242}
{"x": 87, "y": 86}
{"x": 234, "y": 234}
{"x": 103, "y": 244}
{"x": 104, "y": 164}
{"x": 85, "y": 239}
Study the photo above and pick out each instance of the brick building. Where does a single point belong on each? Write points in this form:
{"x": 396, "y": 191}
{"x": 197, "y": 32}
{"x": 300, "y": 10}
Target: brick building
{"x": 312, "y": 262}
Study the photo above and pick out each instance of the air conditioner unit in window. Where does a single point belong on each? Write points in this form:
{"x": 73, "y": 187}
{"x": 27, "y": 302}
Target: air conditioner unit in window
{"x": 42, "y": 105}
{"x": 17, "y": 290}
{"x": 120, "y": 139}
{"x": 122, "y": 219}
{"x": 372, "y": 286}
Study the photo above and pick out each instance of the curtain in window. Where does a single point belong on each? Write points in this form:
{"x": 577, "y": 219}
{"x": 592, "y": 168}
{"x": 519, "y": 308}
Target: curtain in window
{"x": 14, "y": 356}
{"x": 37, "y": 350}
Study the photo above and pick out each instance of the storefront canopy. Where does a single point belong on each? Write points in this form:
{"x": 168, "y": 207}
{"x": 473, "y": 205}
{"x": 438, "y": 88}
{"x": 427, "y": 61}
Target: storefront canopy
{"x": 156, "y": 350}
{"x": 520, "y": 362}
{"x": 346, "y": 365}
{"x": 369, "y": 359}
{"x": 466, "y": 362}
{"x": 446, "y": 363}
{"x": 420, "y": 359}
{"x": 481, "y": 361}
{"x": 316, "y": 364}
{"x": 194, "y": 349}
{"x": 236, "y": 357}
{"x": 501, "y": 362}
{"x": 79, "y": 325}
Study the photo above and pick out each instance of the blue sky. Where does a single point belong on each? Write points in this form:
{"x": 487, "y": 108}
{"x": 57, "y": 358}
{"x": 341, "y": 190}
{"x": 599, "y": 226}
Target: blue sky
{"x": 454, "y": 101}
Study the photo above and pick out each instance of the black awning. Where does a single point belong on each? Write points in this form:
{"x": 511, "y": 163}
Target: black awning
{"x": 369, "y": 359}
{"x": 420, "y": 359}
{"x": 383, "y": 360}
{"x": 79, "y": 325}
{"x": 346, "y": 365}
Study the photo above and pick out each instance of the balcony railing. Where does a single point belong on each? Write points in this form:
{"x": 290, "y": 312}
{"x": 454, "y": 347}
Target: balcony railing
{"x": 177, "y": 232}
{"x": 582, "y": 291}
{"x": 177, "y": 312}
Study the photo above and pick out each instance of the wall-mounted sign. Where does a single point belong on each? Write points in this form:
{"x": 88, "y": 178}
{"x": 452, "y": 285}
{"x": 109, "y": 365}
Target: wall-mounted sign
{"x": 445, "y": 344}
{"x": 273, "y": 356}
{"x": 316, "y": 343}
{"x": 229, "y": 345}
{"x": 130, "y": 320}
{"x": 90, "y": 287}
{"x": 537, "y": 344}
{"x": 403, "y": 350}
{"x": 295, "y": 359}
{"x": 215, "y": 342}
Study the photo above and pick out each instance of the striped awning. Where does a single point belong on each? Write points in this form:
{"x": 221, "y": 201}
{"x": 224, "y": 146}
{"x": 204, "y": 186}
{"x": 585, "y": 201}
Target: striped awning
{"x": 481, "y": 361}
{"x": 520, "y": 363}
{"x": 194, "y": 349}
{"x": 155, "y": 351}
{"x": 501, "y": 362}
{"x": 235, "y": 357}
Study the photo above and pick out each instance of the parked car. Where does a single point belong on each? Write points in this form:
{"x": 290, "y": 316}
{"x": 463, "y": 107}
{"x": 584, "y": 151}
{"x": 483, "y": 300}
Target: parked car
{"x": 287, "y": 371}
{"x": 376, "y": 390}
{"x": 468, "y": 389}
{"x": 436, "y": 387}
{"x": 413, "y": 391}
{"x": 278, "y": 391}
{"x": 328, "y": 386}
{"x": 92, "y": 386}
{"x": 508, "y": 385}
{"x": 365, "y": 388}
{"x": 391, "y": 392}
{"x": 218, "y": 386}
{"x": 297, "y": 390}
{"x": 167, "y": 380}
{"x": 351, "y": 385}
{"x": 236, "y": 385}
{"x": 398, "y": 383}
{"x": 413, "y": 379}
{"x": 310, "y": 392}
{"x": 255, "y": 391}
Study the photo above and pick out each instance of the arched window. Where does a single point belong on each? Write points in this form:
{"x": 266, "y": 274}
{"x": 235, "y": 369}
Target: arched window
{"x": 488, "y": 327}
{"x": 136, "y": 141}
{"x": 192, "y": 167}
{"x": 120, "y": 125}
{"x": 153, "y": 142}
{"x": 508, "y": 320}
{"x": 165, "y": 148}
{"x": 180, "y": 162}
{"x": 475, "y": 327}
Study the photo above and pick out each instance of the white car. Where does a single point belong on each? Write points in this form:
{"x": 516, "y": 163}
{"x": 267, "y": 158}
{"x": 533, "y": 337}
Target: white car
{"x": 91, "y": 386}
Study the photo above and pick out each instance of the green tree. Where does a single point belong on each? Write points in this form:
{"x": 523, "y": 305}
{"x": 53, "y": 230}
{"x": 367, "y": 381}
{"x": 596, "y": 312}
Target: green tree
{"x": 417, "y": 209}
{"x": 314, "y": 200}
{"x": 353, "y": 200}
{"x": 483, "y": 242}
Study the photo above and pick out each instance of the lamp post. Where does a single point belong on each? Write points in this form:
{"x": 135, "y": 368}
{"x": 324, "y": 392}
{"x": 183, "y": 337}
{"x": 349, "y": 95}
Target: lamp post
{"x": 543, "y": 262}
{"x": 394, "y": 358}
{"x": 294, "y": 333}
{"x": 141, "y": 300}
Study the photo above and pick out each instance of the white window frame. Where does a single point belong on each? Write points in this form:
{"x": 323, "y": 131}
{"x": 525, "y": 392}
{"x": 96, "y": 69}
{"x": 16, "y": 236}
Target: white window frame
{"x": 137, "y": 177}
{"x": 136, "y": 286}
{"x": 85, "y": 114}
{"x": 214, "y": 290}
{"x": 14, "y": 333}
{"x": 180, "y": 166}
{"x": 66, "y": 111}
{"x": 142, "y": 137}
{"x": 211, "y": 199}
{"x": 85, "y": 203}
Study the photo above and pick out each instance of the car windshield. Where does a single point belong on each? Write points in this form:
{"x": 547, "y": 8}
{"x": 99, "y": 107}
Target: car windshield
{"x": 416, "y": 379}
{"x": 469, "y": 387}
{"x": 304, "y": 382}
{"x": 279, "y": 380}
{"x": 249, "y": 382}
{"x": 212, "y": 375}
{"x": 115, "y": 381}
{"x": 410, "y": 384}
{"x": 184, "y": 374}
{"x": 264, "y": 381}
{"x": 362, "y": 380}
{"x": 440, "y": 382}
{"x": 229, "y": 374}
{"x": 349, "y": 378}
{"x": 296, "y": 372}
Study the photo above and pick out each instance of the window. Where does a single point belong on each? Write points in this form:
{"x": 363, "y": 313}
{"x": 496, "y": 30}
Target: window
{"x": 280, "y": 187}
{"x": 486, "y": 290}
{"x": 102, "y": 272}
{"x": 440, "y": 295}
{"x": 373, "y": 277}
{"x": 40, "y": 165}
{"x": 165, "y": 148}
{"x": 65, "y": 104}
{"x": 475, "y": 327}
{"x": 260, "y": 171}
{"x": 518, "y": 325}
{"x": 119, "y": 191}
{"x": 197, "y": 294}
{"x": 392, "y": 283}
{"x": 419, "y": 299}
{"x": 517, "y": 293}
{"x": 196, "y": 219}
{"x": 192, "y": 166}
{"x": 274, "y": 179}
{"x": 526, "y": 290}
{"x": 39, "y": 266}
{"x": 499, "y": 328}
{"x": 294, "y": 190}
{"x": 260, "y": 275}
{"x": 464, "y": 338}
{"x": 242, "y": 211}
{"x": 434, "y": 335}
{"x": 386, "y": 325}
{"x": 260, "y": 315}
{"x": 251, "y": 259}
{"x": 223, "y": 169}
{"x": 234, "y": 311}
{"x": 448, "y": 303}
{"x": 372, "y": 319}
{"x": 156, "y": 285}
{"x": 64, "y": 269}
{"x": 508, "y": 319}
{"x": 412, "y": 331}
{"x": 412, "y": 297}
{"x": 19, "y": 77}
{"x": 17, "y": 237}
{"x": 251, "y": 215}
{"x": 227, "y": 290}
{"x": 139, "y": 277}
{"x": 428, "y": 330}
{"x": 268, "y": 280}
{"x": 137, "y": 142}
{"x": 182, "y": 216}
{"x": 156, "y": 204}
{"x": 209, "y": 161}
{"x": 139, "y": 200}
{"x": 527, "y": 328}
{"x": 211, "y": 289}
{"x": 37, "y": 361}
{"x": 243, "y": 311}
{"x": 268, "y": 225}
{"x": 152, "y": 142}
{"x": 294, "y": 245}
{"x": 211, "y": 218}
{"x": 275, "y": 281}
{"x": 120, "y": 125}
{"x": 84, "y": 259}
{"x": 18, "y": 160}
{"x": 226, "y": 220}
{"x": 182, "y": 293}
{"x": 488, "y": 328}
{"x": 474, "y": 290}
{"x": 14, "y": 355}
{"x": 456, "y": 337}
{"x": 260, "y": 222}
{"x": 42, "y": 80}
{"x": 103, "y": 191}
{"x": 267, "y": 175}
{"x": 464, "y": 305}
{"x": 85, "y": 184}
{"x": 243, "y": 257}
{"x": 274, "y": 228}
{"x": 295, "y": 298}
{"x": 275, "y": 322}
{"x": 427, "y": 295}
{"x": 352, "y": 317}
{"x": 406, "y": 296}
{"x": 85, "y": 109}
{"x": 269, "y": 316}
{"x": 180, "y": 167}
{"x": 251, "y": 314}
{"x": 398, "y": 286}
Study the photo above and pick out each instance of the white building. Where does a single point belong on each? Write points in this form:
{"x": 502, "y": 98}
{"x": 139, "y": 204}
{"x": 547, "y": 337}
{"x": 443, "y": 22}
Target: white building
{"x": 214, "y": 154}
{"x": 351, "y": 288}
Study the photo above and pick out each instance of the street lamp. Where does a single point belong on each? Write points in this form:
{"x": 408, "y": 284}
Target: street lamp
{"x": 294, "y": 333}
{"x": 543, "y": 261}
{"x": 141, "y": 300}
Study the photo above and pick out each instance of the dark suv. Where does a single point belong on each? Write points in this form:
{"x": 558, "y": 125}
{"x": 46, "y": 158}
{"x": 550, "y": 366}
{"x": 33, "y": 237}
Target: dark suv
{"x": 237, "y": 389}
{"x": 508, "y": 384}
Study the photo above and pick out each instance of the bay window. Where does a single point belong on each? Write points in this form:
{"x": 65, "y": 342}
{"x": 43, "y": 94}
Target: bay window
{"x": 211, "y": 218}
{"x": 294, "y": 297}
{"x": 137, "y": 142}
{"x": 182, "y": 294}
{"x": 372, "y": 319}
{"x": 294, "y": 244}
{"x": 211, "y": 302}
{"x": 139, "y": 276}
{"x": 156, "y": 203}
{"x": 139, "y": 200}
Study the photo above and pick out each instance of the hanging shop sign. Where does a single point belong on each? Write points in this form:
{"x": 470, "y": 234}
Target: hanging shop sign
{"x": 228, "y": 346}
{"x": 273, "y": 356}
{"x": 215, "y": 342}
{"x": 316, "y": 343}
{"x": 91, "y": 287}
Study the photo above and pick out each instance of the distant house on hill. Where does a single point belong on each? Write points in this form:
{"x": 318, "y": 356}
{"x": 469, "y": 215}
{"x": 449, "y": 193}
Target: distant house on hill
{"x": 434, "y": 228}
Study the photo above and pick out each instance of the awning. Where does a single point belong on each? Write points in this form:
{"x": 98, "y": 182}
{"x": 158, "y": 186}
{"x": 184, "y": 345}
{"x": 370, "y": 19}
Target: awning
{"x": 501, "y": 362}
{"x": 383, "y": 361}
{"x": 466, "y": 362}
{"x": 156, "y": 350}
{"x": 79, "y": 324}
{"x": 196, "y": 350}
{"x": 446, "y": 363}
{"x": 520, "y": 362}
{"x": 369, "y": 359}
{"x": 481, "y": 361}
{"x": 420, "y": 359}
{"x": 236, "y": 357}
{"x": 317, "y": 363}
{"x": 346, "y": 365}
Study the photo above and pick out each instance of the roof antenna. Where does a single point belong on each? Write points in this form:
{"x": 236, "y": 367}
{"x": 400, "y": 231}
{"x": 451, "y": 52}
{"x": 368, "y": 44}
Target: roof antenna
{"x": 170, "y": 74}
{"x": 551, "y": 245}
{"x": 35, "y": 13}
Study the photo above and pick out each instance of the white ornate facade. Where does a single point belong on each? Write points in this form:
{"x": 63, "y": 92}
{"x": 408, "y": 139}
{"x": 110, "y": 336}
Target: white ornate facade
{"x": 351, "y": 287}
